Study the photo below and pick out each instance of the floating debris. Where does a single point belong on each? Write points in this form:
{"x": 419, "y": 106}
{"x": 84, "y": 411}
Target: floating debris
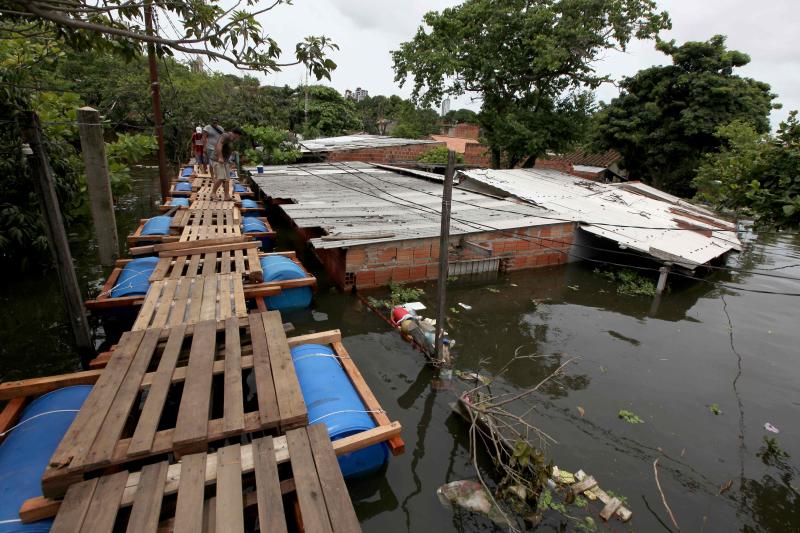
{"x": 714, "y": 408}
{"x": 580, "y": 483}
{"x": 319, "y": 317}
{"x": 465, "y": 306}
{"x": 472, "y": 376}
{"x": 469, "y": 495}
{"x": 630, "y": 417}
{"x": 769, "y": 427}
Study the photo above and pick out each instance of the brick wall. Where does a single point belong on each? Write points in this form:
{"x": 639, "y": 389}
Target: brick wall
{"x": 384, "y": 154}
{"x": 466, "y": 131}
{"x": 376, "y": 265}
{"x": 477, "y": 155}
{"x": 565, "y": 166}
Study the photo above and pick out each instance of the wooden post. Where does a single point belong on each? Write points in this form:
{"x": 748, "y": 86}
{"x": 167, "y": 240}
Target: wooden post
{"x": 56, "y": 234}
{"x": 662, "y": 279}
{"x": 98, "y": 183}
{"x": 155, "y": 93}
{"x": 444, "y": 245}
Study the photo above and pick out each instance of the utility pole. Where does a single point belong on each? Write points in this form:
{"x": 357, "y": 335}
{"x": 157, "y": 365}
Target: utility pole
{"x": 101, "y": 202}
{"x": 155, "y": 92}
{"x": 56, "y": 234}
{"x": 305, "y": 113}
{"x": 444, "y": 245}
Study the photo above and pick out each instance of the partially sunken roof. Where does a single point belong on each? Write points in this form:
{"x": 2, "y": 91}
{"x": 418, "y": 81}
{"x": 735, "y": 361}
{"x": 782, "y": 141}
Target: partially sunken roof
{"x": 365, "y": 204}
{"x": 580, "y": 157}
{"x": 355, "y": 142}
{"x": 636, "y": 217}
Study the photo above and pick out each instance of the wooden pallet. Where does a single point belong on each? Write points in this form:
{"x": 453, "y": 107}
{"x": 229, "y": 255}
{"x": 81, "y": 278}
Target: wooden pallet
{"x": 119, "y": 424}
{"x": 205, "y": 194}
{"x": 239, "y": 258}
{"x": 208, "y": 216}
{"x": 171, "y": 302}
{"x": 212, "y": 204}
{"x": 154, "y": 492}
{"x": 200, "y": 233}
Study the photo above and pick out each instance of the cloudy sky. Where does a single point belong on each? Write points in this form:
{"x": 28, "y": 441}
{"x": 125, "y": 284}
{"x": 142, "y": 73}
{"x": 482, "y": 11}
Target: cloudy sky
{"x": 367, "y": 30}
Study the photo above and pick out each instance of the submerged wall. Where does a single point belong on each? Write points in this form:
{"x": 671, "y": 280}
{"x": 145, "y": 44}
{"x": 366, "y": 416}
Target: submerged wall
{"x": 383, "y": 154}
{"x": 376, "y": 265}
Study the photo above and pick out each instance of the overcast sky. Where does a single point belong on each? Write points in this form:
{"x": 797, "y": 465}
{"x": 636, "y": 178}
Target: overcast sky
{"x": 367, "y": 30}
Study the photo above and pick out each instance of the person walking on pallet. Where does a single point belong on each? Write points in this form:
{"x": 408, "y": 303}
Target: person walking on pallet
{"x": 211, "y": 135}
{"x": 220, "y": 166}
{"x": 198, "y": 148}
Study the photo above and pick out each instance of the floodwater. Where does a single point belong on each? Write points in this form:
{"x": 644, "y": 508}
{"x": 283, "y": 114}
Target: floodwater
{"x": 702, "y": 345}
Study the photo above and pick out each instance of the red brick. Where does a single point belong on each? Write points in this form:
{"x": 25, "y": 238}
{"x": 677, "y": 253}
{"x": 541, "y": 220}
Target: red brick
{"x": 432, "y": 271}
{"x": 365, "y": 279}
{"x": 383, "y": 276}
{"x": 400, "y": 274}
{"x": 387, "y": 254}
{"x": 422, "y": 254}
{"x": 405, "y": 255}
{"x": 418, "y": 272}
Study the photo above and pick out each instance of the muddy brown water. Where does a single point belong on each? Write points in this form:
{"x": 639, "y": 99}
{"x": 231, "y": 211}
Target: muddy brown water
{"x": 668, "y": 365}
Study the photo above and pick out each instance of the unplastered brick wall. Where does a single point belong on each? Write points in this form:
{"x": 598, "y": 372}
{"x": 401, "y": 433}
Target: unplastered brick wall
{"x": 477, "y": 155}
{"x": 376, "y": 265}
{"x": 384, "y": 154}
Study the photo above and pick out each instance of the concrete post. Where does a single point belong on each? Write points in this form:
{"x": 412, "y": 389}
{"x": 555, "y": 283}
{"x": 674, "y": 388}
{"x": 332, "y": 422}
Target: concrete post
{"x": 99, "y": 185}
{"x": 444, "y": 244}
{"x": 662, "y": 279}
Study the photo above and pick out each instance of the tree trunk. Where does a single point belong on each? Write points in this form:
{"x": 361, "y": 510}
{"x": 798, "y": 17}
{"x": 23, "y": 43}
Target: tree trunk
{"x": 495, "y": 158}
{"x": 529, "y": 162}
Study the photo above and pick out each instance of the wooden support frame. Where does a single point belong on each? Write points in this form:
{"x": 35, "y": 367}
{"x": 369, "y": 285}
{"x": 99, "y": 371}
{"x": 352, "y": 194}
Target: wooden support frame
{"x": 136, "y": 237}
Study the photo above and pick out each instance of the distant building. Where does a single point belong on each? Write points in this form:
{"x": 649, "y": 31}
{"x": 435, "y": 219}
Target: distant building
{"x": 357, "y": 95}
{"x": 602, "y": 166}
{"x": 196, "y": 65}
{"x": 445, "y": 106}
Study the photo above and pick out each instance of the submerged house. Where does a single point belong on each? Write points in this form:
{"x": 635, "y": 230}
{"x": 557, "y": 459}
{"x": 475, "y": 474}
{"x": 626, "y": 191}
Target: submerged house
{"x": 374, "y": 224}
{"x": 365, "y": 147}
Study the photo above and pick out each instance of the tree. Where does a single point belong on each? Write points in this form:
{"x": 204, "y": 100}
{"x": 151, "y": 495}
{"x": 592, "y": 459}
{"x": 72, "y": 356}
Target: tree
{"x": 329, "y": 113}
{"x": 524, "y": 59}
{"x": 207, "y": 29}
{"x": 759, "y": 173}
{"x": 461, "y": 116}
{"x": 666, "y": 117}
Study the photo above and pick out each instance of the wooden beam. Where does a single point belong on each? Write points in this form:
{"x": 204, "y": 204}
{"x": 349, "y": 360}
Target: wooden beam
{"x": 11, "y": 413}
{"x": 38, "y": 386}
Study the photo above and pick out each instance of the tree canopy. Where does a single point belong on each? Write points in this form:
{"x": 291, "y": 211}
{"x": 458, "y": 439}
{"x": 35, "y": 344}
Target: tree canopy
{"x": 758, "y": 173}
{"x": 329, "y": 113}
{"x": 530, "y": 62}
{"x": 666, "y": 117}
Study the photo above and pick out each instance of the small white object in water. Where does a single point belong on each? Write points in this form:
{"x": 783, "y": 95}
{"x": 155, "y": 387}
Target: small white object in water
{"x": 469, "y": 495}
{"x": 465, "y": 306}
{"x": 769, "y": 427}
{"x": 319, "y": 317}
{"x": 415, "y": 306}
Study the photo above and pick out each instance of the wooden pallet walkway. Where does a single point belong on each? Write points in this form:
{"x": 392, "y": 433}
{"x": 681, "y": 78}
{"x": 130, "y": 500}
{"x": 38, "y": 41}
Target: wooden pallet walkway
{"x": 208, "y": 216}
{"x": 171, "y": 302}
{"x": 240, "y": 477}
{"x": 118, "y": 423}
{"x": 203, "y": 232}
{"x": 239, "y": 258}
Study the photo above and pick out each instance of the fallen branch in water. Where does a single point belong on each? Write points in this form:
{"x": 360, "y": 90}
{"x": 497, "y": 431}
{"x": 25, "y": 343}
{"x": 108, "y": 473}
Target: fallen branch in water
{"x": 664, "y": 498}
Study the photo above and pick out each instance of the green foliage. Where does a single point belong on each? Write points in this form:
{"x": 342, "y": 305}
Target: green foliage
{"x": 630, "y": 417}
{"x": 438, "y": 156}
{"x": 629, "y": 282}
{"x": 530, "y": 62}
{"x": 271, "y": 146}
{"x": 666, "y": 117}
{"x": 758, "y": 173}
{"x": 714, "y": 408}
{"x": 399, "y": 294}
{"x": 329, "y": 113}
{"x": 461, "y": 116}
{"x": 126, "y": 150}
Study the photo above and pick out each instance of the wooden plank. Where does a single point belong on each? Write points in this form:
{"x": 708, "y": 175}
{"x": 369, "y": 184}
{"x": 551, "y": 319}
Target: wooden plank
{"x": 192, "y": 423}
{"x": 239, "y": 258}
{"x": 87, "y": 422}
{"x": 102, "y": 512}
{"x": 225, "y": 267}
{"x": 268, "y": 490}
{"x": 233, "y": 406}
{"x": 181, "y": 300}
{"x": 189, "y": 509}
{"x": 161, "y": 269}
{"x": 610, "y": 508}
{"x": 265, "y": 387}
{"x": 11, "y": 390}
{"x": 177, "y": 268}
{"x": 11, "y": 413}
{"x": 337, "y": 500}
{"x": 72, "y": 512}
{"x": 291, "y": 406}
{"x": 239, "y": 305}
{"x": 147, "y": 502}
{"x": 165, "y": 304}
{"x": 323, "y": 337}
{"x": 210, "y": 515}
{"x": 230, "y": 513}
{"x": 256, "y": 274}
{"x": 196, "y": 302}
{"x": 586, "y": 484}
{"x": 306, "y": 479}
{"x": 209, "y": 263}
{"x": 102, "y": 449}
{"x": 208, "y": 310}
{"x": 146, "y": 428}
{"x": 194, "y": 263}
{"x": 149, "y": 305}
{"x": 226, "y": 293}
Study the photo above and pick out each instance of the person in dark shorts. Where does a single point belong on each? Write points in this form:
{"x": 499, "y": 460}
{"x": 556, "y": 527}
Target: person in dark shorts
{"x": 220, "y": 167}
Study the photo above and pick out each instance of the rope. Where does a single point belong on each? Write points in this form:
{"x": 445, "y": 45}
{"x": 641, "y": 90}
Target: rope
{"x": 334, "y": 356}
{"x": 12, "y": 428}
{"x": 344, "y": 411}
{"x": 129, "y": 281}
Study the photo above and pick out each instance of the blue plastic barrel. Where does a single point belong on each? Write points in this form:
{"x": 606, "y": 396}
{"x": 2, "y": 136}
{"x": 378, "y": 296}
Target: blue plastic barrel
{"x": 157, "y": 225}
{"x": 239, "y": 188}
{"x": 183, "y": 202}
{"x": 331, "y": 399}
{"x": 187, "y": 171}
{"x": 281, "y": 268}
{"x": 251, "y": 224}
{"x": 134, "y": 278}
{"x": 247, "y": 203}
{"x": 27, "y": 450}
{"x": 183, "y": 186}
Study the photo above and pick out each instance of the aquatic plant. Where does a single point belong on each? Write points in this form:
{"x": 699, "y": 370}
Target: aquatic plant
{"x": 399, "y": 294}
{"x": 630, "y": 417}
{"x": 629, "y": 282}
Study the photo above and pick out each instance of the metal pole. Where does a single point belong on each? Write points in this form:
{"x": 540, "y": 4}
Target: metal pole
{"x": 444, "y": 244}
{"x": 155, "y": 92}
{"x": 99, "y": 185}
{"x": 56, "y": 234}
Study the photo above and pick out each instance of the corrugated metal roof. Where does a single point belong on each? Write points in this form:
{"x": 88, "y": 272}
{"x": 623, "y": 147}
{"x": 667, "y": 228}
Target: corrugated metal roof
{"x": 609, "y": 211}
{"x": 355, "y": 142}
{"x": 350, "y": 199}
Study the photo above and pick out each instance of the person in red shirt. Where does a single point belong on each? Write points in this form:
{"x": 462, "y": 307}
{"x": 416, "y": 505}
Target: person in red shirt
{"x": 199, "y": 147}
